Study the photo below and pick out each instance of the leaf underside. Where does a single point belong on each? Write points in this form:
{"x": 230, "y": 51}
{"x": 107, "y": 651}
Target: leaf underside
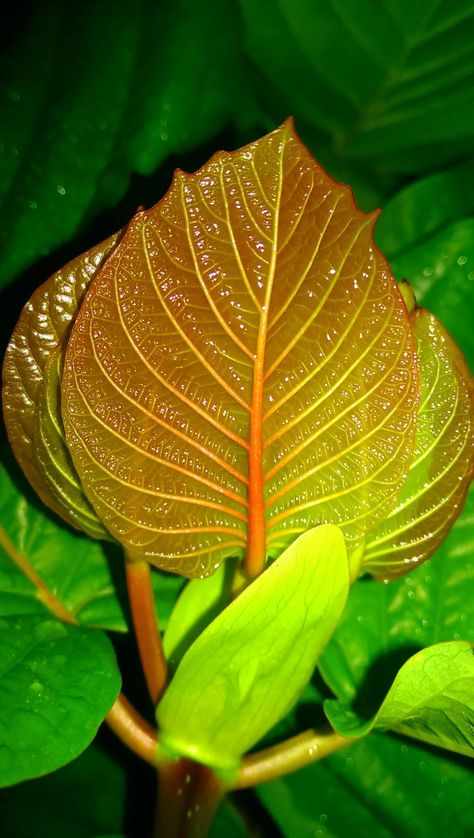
{"x": 242, "y": 367}
{"x": 31, "y": 390}
{"x": 441, "y": 470}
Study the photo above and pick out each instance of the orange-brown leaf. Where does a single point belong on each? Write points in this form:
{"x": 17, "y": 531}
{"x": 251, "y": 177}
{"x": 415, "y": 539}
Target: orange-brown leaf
{"x": 442, "y": 465}
{"x": 31, "y": 389}
{"x": 242, "y": 367}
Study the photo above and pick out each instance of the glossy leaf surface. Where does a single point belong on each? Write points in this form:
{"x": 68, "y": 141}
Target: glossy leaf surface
{"x": 383, "y": 625}
{"x": 381, "y": 786}
{"x": 431, "y": 698}
{"x": 242, "y": 367}
{"x": 200, "y": 601}
{"x": 31, "y": 389}
{"x": 441, "y": 470}
{"x": 57, "y": 684}
{"x": 43, "y": 566}
{"x": 245, "y": 671}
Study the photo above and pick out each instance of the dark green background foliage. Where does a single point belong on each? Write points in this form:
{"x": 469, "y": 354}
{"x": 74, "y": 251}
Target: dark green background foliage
{"x": 99, "y": 102}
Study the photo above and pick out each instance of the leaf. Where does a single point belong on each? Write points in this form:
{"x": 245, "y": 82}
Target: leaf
{"x": 53, "y": 806}
{"x": 380, "y": 787}
{"x": 200, "y": 601}
{"x": 384, "y": 624}
{"x": 31, "y": 390}
{"x": 45, "y": 566}
{"x": 57, "y": 683}
{"x": 245, "y": 671}
{"x": 81, "y": 113}
{"x": 431, "y": 698}
{"x": 442, "y": 466}
{"x": 198, "y": 427}
{"x": 385, "y": 84}
{"x": 424, "y": 208}
{"x": 441, "y": 270}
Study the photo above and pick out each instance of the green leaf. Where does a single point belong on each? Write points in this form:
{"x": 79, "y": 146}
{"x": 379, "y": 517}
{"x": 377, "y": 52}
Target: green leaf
{"x": 431, "y": 698}
{"x": 44, "y": 565}
{"x": 387, "y": 84}
{"x": 441, "y": 271}
{"x": 245, "y": 671}
{"x": 380, "y": 787}
{"x": 85, "y": 798}
{"x": 200, "y": 601}
{"x": 97, "y": 109}
{"x": 57, "y": 684}
{"x": 383, "y": 625}
{"x": 424, "y": 208}
{"x": 441, "y": 470}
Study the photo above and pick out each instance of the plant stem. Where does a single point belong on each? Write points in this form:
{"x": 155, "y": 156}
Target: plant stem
{"x": 188, "y": 797}
{"x": 132, "y": 729}
{"x": 147, "y": 629}
{"x": 288, "y": 756}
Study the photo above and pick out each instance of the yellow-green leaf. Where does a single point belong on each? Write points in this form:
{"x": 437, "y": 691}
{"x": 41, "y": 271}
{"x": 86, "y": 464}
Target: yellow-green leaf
{"x": 441, "y": 470}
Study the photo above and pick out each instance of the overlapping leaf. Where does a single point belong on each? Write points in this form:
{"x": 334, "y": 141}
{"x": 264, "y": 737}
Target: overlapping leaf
{"x": 31, "y": 390}
{"x": 46, "y": 567}
{"x": 441, "y": 470}
{"x": 431, "y": 699}
{"x": 57, "y": 684}
{"x": 242, "y": 367}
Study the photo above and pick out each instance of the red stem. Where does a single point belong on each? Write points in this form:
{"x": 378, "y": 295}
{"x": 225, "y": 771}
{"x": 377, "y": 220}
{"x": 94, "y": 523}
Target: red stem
{"x": 188, "y": 797}
{"x": 132, "y": 729}
{"x": 147, "y": 629}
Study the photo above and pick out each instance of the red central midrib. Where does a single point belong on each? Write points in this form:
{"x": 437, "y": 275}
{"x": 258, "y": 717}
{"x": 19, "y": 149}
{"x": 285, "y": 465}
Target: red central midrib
{"x": 256, "y": 533}
{"x": 256, "y": 530}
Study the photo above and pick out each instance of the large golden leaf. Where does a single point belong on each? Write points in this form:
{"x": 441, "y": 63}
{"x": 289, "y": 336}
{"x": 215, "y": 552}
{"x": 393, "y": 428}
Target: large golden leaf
{"x": 31, "y": 389}
{"x": 441, "y": 470}
{"x": 242, "y": 367}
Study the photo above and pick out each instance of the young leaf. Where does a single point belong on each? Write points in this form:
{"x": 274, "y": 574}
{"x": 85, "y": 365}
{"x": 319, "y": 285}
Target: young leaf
{"x": 431, "y": 698}
{"x": 442, "y": 466}
{"x": 31, "y": 389}
{"x": 242, "y": 368}
{"x": 57, "y": 684}
{"x": 383, "y": 625}
{"x": 245, "y": 671}
{"x": 200, "y": 601}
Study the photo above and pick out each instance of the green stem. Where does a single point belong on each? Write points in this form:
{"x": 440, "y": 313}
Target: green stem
{"x": 188, "y": 797}
{"x": 147, "y": 629}
{"x": 288, "y": 756}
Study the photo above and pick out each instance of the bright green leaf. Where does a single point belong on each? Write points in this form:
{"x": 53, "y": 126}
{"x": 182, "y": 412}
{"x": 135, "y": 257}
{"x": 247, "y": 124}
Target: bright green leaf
{"x": 380, "y": 786}
{"x": 384, "y": 624}
{"x": 57, "y": 684}
{"x": 245, "y": 671}
{"x": 431, "y": 698}
{"x": 200, "y": 601}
